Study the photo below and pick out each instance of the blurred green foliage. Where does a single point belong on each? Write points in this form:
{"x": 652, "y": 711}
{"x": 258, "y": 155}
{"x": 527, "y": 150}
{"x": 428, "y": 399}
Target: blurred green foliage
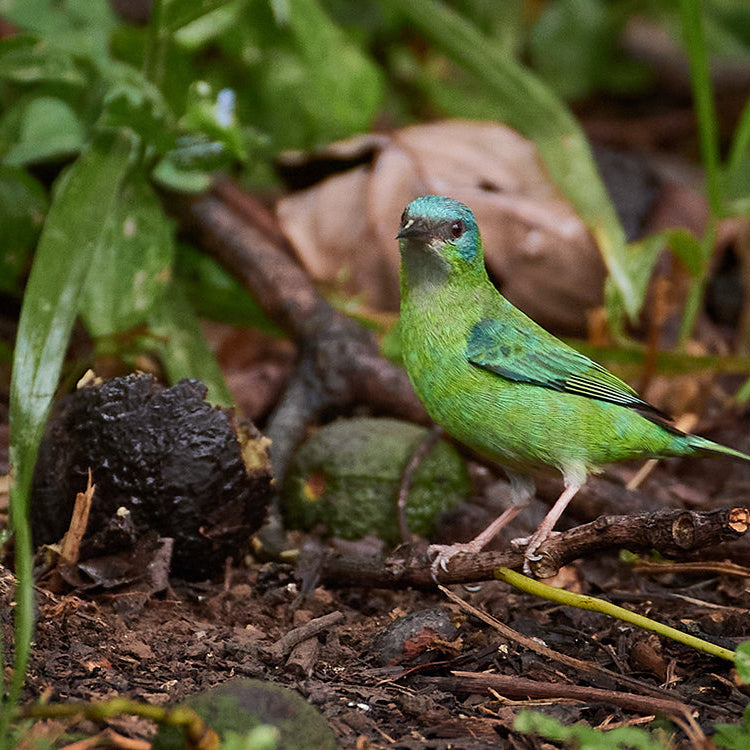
{"x": 227, "y": 85}
{"x": 584, "y": 737}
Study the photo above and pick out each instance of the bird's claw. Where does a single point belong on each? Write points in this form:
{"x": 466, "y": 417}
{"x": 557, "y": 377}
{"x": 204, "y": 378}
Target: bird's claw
{"x": 442, "y": 554}
{"x": 530, "y": 556}
{"x": 531, "y": 545}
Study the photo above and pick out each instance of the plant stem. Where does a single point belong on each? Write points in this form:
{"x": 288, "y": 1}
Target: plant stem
{"x": 156, "y": 45}
{"x": 708, "y": 133}
{"x": 198, "y": 736}
{"x": 703, "y": 96}
{"x": 694, "y": 299}
{"x": 561, "y": 596}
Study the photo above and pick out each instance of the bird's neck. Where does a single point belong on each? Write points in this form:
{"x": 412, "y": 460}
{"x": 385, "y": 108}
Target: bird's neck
{"x": 425, "y": 274}
{"x": 440, "y": 303}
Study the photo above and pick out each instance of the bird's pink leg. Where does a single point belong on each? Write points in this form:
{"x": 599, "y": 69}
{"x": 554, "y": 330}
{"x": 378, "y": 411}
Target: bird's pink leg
{"x": 548, "y": 523}
{"x": 522, "y": 490}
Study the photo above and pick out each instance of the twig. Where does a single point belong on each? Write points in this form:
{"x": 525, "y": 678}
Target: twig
{"x": 426, "y": 444}
{"x": 284, "y": 645}
{"x": 71, "y": 543}
{"x": 512, "y": 686}
{"x": 534, "y": 645}
{"x": 723, "y": 568}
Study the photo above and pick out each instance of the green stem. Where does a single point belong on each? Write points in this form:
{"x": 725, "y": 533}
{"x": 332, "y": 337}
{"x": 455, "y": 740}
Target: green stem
{"x": 703, "y": 95}
{"x": 708, "y": 133}
{"x": 156, "y": 45}
{"x": 561, "y": 596}
{"x": 198, "y": 736}
{"x": 23, "y": 612}
{"x": 694, "y": 300}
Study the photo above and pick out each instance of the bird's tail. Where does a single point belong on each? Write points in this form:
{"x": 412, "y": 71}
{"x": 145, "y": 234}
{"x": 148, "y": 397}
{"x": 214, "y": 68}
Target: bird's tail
{"x": 704, "y": 444}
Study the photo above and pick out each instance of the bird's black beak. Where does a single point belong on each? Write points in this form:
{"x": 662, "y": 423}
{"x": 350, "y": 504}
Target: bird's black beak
{"x": 414, "y": 229}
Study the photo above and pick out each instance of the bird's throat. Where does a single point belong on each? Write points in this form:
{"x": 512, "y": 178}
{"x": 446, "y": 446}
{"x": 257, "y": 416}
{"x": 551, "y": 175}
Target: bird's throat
{"x": 421, "y": 268}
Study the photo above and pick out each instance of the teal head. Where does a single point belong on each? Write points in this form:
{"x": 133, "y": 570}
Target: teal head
{"x": 440, "y": 235}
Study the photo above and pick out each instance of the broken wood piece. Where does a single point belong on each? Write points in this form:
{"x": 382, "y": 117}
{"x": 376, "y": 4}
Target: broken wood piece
{"x": 278, "y": 650}
{"x": 303, "y": 658}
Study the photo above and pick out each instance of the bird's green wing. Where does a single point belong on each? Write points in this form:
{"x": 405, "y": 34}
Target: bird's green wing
{"x": 528, "y": 354}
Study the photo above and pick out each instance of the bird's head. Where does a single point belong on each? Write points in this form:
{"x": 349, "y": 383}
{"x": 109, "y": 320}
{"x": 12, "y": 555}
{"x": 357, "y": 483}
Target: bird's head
{"x": 441, "y": 233}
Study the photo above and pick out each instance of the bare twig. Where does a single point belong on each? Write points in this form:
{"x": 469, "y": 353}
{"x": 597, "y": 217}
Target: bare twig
{"x": 284, "y": 645}
{"x": 579, "y": 666}
{"x": 426, "y": 444}
{"x": 512, "y": 686}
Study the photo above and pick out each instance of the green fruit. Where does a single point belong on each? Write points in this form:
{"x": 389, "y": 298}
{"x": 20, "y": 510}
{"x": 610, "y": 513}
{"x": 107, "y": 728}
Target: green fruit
{"x": 244, "y": 714}
{"x": 347, "y": 476}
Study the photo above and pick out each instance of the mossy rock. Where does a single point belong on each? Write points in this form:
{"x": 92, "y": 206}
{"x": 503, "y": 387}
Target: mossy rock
{"x": 238, "y": 707}
{"x": 347, "y": 475}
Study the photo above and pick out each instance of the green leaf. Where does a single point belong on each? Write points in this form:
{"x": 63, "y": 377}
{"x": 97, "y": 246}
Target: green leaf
{"x": 85, "y": 195}
{"x": 132, "y": 266}
{"x": 216, "y": 294}
{"x": 27, "y": 60}
{"x": 641, "y": 257}
{"x": 742, "y": 661}
{"x": 584, "y": 737}
{"x": 736, "y": 176}
{"x": 50, "y": 131}
{"x": 688, "y": 249}
{"x": 184, "y": 351}
{"x": 692, "y": 17}
{"x": 307, "y": 82}
{"x": 209, "y": 26}
{"x": 734, "y": 736}
{"x": 569, "y": 45}
{"x": 174, "y": 177}
{"x": 344, "y": 87}
{"x": 134, "y": 102}
{"x": 179, "y": 13}
{"x": 79, "y": 27}
{"x": 74, "y": 228}
{"x": 23, "y": 204}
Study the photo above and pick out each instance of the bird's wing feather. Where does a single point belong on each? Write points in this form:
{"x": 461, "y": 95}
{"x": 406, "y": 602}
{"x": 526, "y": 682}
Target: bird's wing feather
{"x": 528, "y": 354}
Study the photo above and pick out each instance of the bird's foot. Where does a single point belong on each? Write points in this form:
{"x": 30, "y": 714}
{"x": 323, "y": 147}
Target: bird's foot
{"x": 529, "y": 545}
{"x": 441, "y": 554}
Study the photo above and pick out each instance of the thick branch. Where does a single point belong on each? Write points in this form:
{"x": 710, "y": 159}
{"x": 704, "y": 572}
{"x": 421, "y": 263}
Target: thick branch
{"x": 673, "y": 533}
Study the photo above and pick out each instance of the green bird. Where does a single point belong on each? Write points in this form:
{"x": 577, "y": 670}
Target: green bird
{"x": 504, "y": 386}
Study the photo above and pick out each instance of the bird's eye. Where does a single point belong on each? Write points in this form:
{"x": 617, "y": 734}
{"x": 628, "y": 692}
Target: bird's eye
{"x": 403, "y": 216}
{"x": 457, "y": 228}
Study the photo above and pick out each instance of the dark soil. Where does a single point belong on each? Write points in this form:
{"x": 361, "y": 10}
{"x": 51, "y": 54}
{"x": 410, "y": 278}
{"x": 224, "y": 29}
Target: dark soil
{"x": 163, "y": 647}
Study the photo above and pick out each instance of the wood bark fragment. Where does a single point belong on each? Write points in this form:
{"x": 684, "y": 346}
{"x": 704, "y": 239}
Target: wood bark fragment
{"x": 303, "y": 658}
{"x": 278, "y": 650}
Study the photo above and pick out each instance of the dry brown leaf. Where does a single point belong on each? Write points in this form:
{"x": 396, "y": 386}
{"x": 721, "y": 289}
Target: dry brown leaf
{"x": 537, "y": 249}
